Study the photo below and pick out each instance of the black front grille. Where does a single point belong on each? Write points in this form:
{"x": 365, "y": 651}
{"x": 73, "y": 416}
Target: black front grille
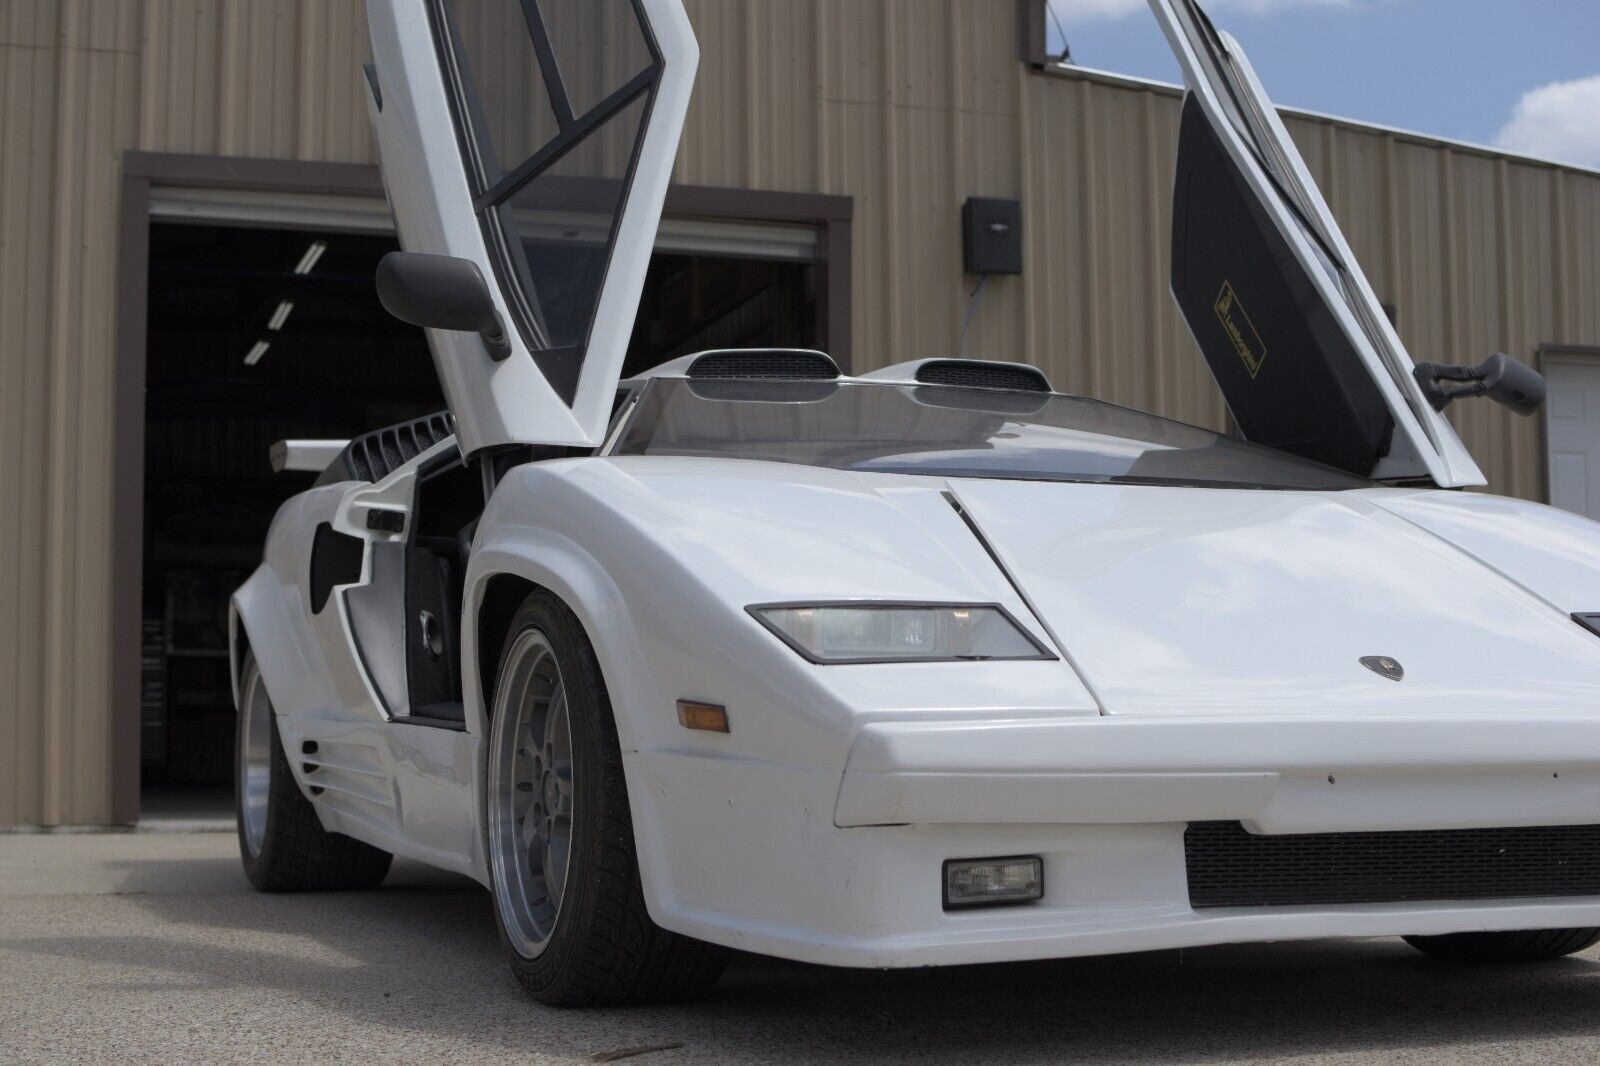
{"x": 1229, "y": 867}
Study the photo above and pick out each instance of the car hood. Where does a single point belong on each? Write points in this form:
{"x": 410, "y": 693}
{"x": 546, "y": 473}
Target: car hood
{"x": 1175, "y": 600}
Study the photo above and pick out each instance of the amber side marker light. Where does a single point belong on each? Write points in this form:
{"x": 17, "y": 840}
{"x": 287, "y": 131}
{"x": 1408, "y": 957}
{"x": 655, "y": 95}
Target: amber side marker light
{"x": 710, "y": 717}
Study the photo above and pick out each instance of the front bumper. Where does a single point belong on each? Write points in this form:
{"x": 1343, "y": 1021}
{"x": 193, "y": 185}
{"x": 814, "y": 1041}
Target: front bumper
{"x": 845, "y": 869}
{"x": 1277, "y": 775}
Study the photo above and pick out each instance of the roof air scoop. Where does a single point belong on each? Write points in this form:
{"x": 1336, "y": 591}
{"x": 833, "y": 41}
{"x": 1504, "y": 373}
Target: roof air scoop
{"x": 968, "y": 373}
{"x": 975, "y": 374}
{"x": 780, "y": 364}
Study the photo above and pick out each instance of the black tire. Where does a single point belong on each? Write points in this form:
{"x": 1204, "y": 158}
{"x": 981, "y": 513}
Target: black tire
{"x": 603, "y": 948}
{"x": 1516, "y": 945}
{"x": 296, "y": 854}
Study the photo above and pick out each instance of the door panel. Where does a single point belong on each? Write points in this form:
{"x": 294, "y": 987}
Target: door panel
{"x": 535, "y": 138}
{"x": 416, "y": 526}
{"x": 1294, "y": 334}
{"x": 377, "y": 625}
{"x": 381, "y": 514}
{"x": 444, "y": 513}
{"x": 1292, "y": 377}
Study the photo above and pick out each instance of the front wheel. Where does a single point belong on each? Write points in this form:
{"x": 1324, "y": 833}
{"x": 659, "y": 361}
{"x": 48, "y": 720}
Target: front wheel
{"x": 563, "y": 870}
{"x": 1518, "y": 945}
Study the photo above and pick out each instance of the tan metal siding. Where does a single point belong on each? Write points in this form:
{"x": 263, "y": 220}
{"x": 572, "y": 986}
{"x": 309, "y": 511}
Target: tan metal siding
{"x": 68, "y": 75}
{"x": 27, "y": 97}
{"x": 278, "y": 78}
{"x": 908, "y": 106}
{"x": 1098, "y": 161}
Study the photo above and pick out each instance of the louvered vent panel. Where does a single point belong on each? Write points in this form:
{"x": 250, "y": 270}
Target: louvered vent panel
{"x": 373, "y": 456}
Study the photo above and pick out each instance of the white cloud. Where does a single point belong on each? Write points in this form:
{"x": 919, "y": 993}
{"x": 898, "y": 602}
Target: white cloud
{"x": 1089, "y": 10}
{"x": 1557, "y": 121}
{"x": 1085, "y": 10}
{"x": 1267, "y": 7}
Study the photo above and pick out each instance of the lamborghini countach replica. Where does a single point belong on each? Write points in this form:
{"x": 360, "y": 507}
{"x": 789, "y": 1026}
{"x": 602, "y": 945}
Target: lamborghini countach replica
{"x": 929, "y": 665}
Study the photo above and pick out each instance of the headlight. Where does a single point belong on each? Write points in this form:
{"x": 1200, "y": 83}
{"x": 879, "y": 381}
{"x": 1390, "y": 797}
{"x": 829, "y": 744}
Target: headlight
{"x": 898, "y": 632}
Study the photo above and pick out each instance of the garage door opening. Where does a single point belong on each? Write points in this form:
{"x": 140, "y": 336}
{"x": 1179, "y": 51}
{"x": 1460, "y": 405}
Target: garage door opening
{"x": 257, "y": 334}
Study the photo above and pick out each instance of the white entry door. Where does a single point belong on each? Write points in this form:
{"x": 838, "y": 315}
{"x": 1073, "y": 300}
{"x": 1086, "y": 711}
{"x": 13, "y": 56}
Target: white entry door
{"x": 1573, "y": 417}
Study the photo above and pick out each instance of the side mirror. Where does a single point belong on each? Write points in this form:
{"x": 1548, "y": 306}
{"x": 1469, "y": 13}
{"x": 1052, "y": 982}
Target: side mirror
{"x": 1500, "y": 377}
{"x": 442, "y": 292}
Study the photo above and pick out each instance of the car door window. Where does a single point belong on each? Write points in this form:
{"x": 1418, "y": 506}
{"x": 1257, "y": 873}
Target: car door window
{"x": 551, "y": 98}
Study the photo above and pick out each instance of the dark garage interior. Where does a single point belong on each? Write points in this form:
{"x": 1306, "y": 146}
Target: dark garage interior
{"x": 257, "y": 335}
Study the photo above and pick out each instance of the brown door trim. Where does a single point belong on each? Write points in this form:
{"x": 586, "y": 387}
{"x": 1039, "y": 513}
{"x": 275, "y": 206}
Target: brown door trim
{"x": 832, "y": 215}
{"x": 127, "y": 496}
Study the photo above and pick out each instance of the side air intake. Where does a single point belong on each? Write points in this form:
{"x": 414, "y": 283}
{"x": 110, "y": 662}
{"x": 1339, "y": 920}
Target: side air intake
{"x": 976, "y": 374}
{"x": 373, "y": 456}
{"x": 786, "y": 364}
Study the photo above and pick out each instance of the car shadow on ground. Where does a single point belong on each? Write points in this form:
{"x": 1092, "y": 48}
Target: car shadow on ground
{"x": 421, "y": 955}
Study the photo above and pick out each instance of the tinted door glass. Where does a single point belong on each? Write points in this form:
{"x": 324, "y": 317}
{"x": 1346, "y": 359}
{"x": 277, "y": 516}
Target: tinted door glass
{"x": 551, "y": 99}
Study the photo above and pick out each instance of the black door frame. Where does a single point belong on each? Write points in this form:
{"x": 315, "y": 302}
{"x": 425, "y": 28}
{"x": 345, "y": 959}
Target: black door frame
{"x": 831, "y": 215}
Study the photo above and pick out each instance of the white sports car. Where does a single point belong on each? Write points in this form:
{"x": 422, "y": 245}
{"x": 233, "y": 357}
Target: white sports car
{"x": 931, "y": 665}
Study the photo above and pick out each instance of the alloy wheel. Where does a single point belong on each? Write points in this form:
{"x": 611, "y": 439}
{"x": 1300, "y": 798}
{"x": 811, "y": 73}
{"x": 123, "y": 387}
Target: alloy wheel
{"x": 530, "y": 791}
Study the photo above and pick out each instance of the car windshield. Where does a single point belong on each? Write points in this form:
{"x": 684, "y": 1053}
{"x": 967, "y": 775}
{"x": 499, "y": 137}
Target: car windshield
{"x": 951, "y": 431}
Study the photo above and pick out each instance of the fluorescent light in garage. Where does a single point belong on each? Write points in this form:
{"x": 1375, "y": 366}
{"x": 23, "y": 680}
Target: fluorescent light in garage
{"x": 309, "y": 260}
{"x": 257, "y": 350}
{"x": 281, "y": 315}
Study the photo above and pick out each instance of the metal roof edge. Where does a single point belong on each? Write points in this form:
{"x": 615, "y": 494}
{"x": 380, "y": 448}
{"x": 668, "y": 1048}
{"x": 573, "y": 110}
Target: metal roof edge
{"x": 1131, "y": 81}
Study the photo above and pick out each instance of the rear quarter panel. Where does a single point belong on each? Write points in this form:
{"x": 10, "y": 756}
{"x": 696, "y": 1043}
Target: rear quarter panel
{"x": 301, "y": 655}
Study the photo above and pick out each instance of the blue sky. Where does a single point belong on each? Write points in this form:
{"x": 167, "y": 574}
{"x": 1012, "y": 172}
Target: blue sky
{"x": 1524, "y": 75}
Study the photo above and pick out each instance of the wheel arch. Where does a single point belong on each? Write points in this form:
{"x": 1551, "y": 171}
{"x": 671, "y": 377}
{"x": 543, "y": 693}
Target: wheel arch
{"x": 505, "y": 568}
{"x": 582, "y": 588}
{"x": 508, "y": 563}
{"x": 259, "y": 624}
{"x": 238, "y": 648}
{"x": 502, "y": 594}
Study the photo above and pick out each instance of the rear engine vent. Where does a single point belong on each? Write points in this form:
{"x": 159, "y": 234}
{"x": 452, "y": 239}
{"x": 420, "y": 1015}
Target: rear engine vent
{"x": 373, "y": 456}
{"x": 1229, "y": 867}
{"x": 788, "y": 364}
{"x": 975, "y": 374}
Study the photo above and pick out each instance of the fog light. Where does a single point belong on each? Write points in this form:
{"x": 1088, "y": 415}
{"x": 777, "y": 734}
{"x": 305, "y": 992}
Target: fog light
{"x": 980, "y": 882}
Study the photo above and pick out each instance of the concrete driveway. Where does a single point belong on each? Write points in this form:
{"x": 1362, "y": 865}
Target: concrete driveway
{"x": 152, "y": 947}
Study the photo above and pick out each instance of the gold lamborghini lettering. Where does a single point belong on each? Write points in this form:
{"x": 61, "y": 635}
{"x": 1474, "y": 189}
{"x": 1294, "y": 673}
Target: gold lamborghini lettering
{"x": 1240, "y": 330}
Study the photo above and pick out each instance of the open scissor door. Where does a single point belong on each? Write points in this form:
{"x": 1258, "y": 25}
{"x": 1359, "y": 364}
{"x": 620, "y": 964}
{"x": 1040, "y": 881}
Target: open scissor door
{"x": 536, "y": 139}
{"x": 1300, "y": 346}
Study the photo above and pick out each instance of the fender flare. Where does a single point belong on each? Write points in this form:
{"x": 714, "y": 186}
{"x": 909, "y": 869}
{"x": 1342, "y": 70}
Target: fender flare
{"x": 564, "y": 568}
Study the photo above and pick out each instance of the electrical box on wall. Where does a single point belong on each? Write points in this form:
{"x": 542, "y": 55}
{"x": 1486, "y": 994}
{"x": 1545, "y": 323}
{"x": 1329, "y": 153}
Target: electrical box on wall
{"x": 991, "y": 236}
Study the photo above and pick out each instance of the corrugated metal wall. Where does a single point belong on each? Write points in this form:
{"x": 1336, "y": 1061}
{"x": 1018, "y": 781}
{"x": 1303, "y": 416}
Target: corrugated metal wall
{"x": 908, "y": 106}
